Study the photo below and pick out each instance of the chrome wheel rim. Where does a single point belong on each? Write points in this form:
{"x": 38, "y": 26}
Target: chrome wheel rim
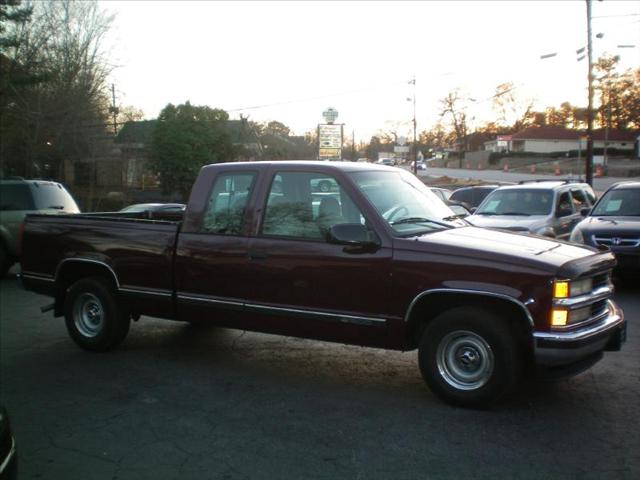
{"x": 88, "y": 315}
{"x": 465, "y": 360}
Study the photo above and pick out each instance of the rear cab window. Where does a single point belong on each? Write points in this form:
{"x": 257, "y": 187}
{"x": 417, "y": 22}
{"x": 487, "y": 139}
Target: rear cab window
{"x": 226, "y": 207}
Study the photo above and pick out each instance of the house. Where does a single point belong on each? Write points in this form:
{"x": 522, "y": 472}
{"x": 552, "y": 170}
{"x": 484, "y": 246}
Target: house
{"x": 559, "y": 139}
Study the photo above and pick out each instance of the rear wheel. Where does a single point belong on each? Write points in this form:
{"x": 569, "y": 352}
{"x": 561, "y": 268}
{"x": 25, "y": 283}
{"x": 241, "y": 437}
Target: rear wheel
{"x": 469, "y": 357}
{"x": 93, "y": 317}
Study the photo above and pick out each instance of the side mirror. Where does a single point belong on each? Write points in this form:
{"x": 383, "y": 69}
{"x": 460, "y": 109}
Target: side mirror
{"x": 585, "y": 211}
{"x": 473, "y": 209}
{"x": 355, "y": 237}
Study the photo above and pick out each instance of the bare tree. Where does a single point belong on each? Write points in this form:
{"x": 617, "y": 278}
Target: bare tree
{"x": 58, "y": 116}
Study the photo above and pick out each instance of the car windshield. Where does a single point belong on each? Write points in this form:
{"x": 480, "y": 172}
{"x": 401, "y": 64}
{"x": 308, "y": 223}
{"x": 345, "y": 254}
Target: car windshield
{"x": 524, "y": 202}
{"x": 618, "y": 202}
{"x": 404, "y": 202}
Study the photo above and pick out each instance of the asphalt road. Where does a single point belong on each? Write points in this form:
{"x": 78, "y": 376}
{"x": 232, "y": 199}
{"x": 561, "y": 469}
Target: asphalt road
{"x": 599, "y": 184}
{"x": 182, "y": 402}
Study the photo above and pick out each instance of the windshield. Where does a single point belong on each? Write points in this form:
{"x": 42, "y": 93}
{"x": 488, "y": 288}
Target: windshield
{"x": 523, "y": 202}
{"x": 624, "y": 202}
{"x": 404, "y": 202}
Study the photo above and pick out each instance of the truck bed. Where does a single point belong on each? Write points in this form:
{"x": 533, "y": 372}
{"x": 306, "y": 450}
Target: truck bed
{"x": 138, "y": 252}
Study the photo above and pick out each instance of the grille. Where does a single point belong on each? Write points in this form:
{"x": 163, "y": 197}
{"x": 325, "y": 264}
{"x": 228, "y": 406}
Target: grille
{"x": 617, "y": 240}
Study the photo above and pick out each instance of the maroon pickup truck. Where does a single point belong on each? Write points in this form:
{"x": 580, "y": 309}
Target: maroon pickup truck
{"x": 353, "y": 253}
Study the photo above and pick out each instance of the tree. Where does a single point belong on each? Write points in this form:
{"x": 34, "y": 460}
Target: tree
{"x": 619, "y": 94}
{"x": 54, "y": 100}
{"x": 185, "y": 138}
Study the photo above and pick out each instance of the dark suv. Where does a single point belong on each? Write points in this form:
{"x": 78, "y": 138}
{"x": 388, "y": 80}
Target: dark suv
{"x": 473, "y": 196}
{"x": 548, "y": 207}
{"x": 615, "y": 222}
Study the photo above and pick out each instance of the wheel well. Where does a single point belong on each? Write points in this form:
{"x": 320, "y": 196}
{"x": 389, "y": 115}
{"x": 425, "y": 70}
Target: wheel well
{"x": 71, "y": 272}
{"x": 430, "y": 306}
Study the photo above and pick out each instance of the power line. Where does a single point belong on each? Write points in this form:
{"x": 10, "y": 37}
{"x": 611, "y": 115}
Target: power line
{"x": 310, "y": 99}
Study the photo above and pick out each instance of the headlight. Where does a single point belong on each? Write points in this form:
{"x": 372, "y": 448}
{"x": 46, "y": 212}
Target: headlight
{"x": 565, "y": 289}
{"x": 576, "y": 236}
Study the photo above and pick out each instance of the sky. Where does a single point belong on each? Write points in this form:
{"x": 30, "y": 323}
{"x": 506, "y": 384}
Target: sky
{"x": 290, "y": 61}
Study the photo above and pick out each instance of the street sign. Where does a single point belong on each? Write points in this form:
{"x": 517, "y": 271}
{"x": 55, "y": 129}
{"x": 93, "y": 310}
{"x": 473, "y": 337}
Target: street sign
{"x": 330, "y": 152}
{"x": 404, "y": 149}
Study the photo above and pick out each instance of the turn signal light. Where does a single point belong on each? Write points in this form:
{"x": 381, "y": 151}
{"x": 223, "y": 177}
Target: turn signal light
{"x": 561, "y": 289}
{"x": 559, "y": 318}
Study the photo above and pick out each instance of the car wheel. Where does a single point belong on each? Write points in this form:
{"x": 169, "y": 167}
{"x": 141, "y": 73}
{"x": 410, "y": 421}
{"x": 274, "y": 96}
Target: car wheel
{"x": 93, "y": 317}
{"x": 469, "y": 357}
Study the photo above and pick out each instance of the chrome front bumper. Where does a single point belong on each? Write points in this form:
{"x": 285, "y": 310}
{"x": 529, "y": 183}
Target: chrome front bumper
{"x": 564, "y": 348}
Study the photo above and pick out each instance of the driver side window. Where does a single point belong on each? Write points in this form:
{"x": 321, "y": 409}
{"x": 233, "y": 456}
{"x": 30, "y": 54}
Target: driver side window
{"x": 305, "y": 205}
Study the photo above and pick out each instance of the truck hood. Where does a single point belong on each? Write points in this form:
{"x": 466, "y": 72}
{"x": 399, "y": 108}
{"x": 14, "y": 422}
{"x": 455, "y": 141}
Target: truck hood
{"x": 523, "y": 250}
{"x": 510, "y": 222}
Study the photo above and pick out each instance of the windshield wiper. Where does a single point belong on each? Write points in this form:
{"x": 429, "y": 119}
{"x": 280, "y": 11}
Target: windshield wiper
{"x": 459, "y": 216}
{"x": 56, "y": 207}
{"x": 419, "y": 220}
{"x": 485, "y": 213}
{"x": 517, "y": 213}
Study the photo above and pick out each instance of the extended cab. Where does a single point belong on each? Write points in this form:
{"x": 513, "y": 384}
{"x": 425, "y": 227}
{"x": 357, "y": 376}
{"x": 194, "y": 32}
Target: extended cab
{"x": 376, "y": 261}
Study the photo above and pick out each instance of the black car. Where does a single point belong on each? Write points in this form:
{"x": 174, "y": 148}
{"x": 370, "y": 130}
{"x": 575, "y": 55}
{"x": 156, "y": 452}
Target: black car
{"x": 614, "y": 221}
{"x": 473, "y": 196}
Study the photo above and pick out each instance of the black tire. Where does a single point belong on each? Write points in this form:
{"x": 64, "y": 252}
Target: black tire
{"x": 94, "y": 318}
{"x": 5, "y": 261}
{"x": 469, "y": 357}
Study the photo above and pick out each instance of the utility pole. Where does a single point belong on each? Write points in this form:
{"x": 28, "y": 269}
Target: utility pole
{"x": 353, "y": 145}
{"x": 415, "y": 143}
{"x": 588, "y": 171}
{"x": 113, "y": 109}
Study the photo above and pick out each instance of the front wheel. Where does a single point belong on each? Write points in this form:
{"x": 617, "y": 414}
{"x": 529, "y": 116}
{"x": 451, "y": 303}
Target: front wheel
{"x": 94, "y": 318}
{"x": 469, "y": 357}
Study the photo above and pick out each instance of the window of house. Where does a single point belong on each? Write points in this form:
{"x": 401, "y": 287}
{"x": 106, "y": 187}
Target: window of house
{"x": 224, "y": 213}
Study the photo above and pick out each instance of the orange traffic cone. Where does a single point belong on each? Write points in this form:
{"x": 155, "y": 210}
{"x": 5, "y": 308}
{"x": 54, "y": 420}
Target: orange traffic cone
{"x": 505, "y": 169}
{"x": 598, "y": 171}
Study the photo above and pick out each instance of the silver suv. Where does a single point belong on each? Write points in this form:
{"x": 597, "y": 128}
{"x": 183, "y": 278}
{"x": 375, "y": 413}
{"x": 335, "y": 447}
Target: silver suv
{"x": 543, "y": 207}
{"x": 19, "y": 197}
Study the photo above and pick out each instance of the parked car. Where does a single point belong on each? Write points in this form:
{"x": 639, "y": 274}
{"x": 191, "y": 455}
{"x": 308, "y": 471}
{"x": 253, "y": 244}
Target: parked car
{"x": 472, "y": 196}
{"x": 387, "y": 161}
{"x": 19, "y": 197}
{"x": 458, "y": 208}
{"x": 154, "y": 207}
{"x": 8, "y": 456}
{"x": 443, "y": 193}
{"x": 548, "y": 208}
{"x": 373, "y": 264}
{"x": 614, "y": 222}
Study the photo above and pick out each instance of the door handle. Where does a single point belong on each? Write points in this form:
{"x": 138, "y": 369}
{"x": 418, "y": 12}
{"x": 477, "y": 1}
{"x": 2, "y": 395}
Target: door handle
{"x": 258, "y": 256}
